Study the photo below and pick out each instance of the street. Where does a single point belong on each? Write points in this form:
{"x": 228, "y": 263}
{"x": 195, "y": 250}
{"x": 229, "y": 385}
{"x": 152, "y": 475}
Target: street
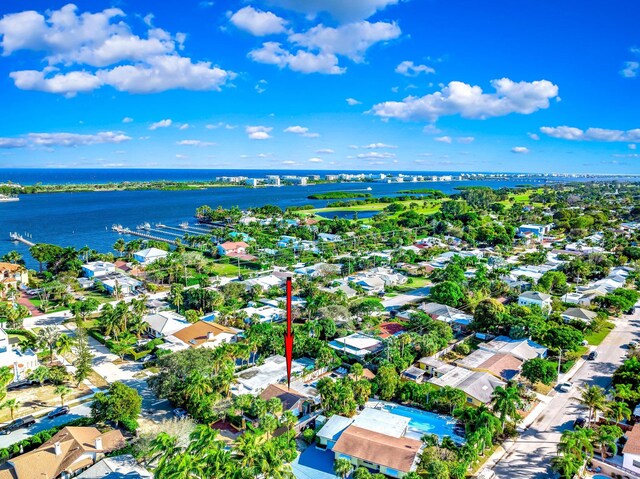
{"x": 413, "y": 296}
{"x": 530, "y": 455}
{"x": 42, "y": 424}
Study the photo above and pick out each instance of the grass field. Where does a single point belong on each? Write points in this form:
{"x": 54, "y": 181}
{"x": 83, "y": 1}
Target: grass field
{"x": 595, "y": 339}
{"x": 435, "y": 206}
{"x": 223, "y": 269}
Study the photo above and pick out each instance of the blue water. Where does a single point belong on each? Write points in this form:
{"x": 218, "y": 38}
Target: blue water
{"x": 424, "y": 422}
{"x": 85, "y": 219}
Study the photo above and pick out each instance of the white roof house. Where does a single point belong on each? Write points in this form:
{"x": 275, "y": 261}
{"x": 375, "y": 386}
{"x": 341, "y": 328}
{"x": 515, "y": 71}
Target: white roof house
{"x": 97, "y": 269}
{"x": 520, "y": 348}
{"x": 477, "y": 386}
{"x": 579, "y": 314}
{"x": 149, "y": 255}
{"x": 126, "y": 284}
{"x": 165, "y": 323}
{"x": 20, "y": 362}
{"x": 357, "y": 345}
{"x": 535, "y": 298}
{"x": 265, "y": 314}
{"x": 273, "y": 371}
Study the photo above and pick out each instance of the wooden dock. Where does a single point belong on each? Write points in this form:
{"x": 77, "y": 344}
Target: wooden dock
{"x": 21, "y": 239}
{"x": 127, "y": 231}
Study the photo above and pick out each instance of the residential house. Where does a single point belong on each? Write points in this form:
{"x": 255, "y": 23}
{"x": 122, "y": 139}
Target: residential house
{"x": 477, "y": 386}
{"x": 264, "y": 314}
{"x": 631, "y": 451}
{"x": 149, "y": 255}
{"x": 579, "y": 314}
{"x": 292, "y": 400}
{"x": 535, "y": 298}
{"x": 341, "y": 285}
{"x": 537, "y": 231}
{"x": 13, "y": 275}
{"x": 19, "y": 361}
{"x": 357, "y": 345}
{"x": 319, "y": 270}
{"x": 502, "y": 365}
{"x": 446, "y": 314}
{"x": 413, "y": 373}
{"x": 98, "y": 269}
{"x": 67, "y": 453}
{"x": 328, "y": 237}
{"x": 371, "y": 284}
{"x": 165, "y": 323}
{"x": 206, "y": 335}
{"x": 523, "y": 349}
{"x": 126, "y": 285}
{"x": 118, "y": 467}
{"x": 236, "y": 250}
{"x": 434, "y": 367}
{"x": 265, "y": 282}
{"x": 273, "y": 370}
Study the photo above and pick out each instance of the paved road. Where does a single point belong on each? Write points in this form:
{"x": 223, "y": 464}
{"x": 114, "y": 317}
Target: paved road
{"x": 409, "y": 297}
{"x": 530, "y": 456}
{"x": 43, "y": 424}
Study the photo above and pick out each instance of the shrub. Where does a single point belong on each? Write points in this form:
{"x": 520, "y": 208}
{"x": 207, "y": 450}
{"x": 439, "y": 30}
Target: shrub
{"x": 309, "y": 435}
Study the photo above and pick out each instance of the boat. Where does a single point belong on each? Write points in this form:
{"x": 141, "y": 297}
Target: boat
{"x": 144, "y": 226}
{"x": 184, "y": 225}
{"x": 8, "y": 198}
{"x": 369, "y": 188}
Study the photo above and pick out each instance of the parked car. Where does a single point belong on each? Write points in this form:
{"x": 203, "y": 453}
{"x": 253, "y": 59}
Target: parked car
{"x": 633, "y": 345}
{"x": 59, "y": 411}
{"x": 180, "y": 413}
{"x": 565, "y": 387}
{"x": 18, "y": 424}
{"x": 579, "y": 422}
{"x": 592, "y": 355}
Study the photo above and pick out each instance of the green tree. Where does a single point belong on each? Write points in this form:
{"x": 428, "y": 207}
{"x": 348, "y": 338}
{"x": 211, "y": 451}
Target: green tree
{"x": 84, "y": 357}
{"x": 62, "y": 391}
{"x": 39, "y": 374}
{"x": 506, "y": 402}
{"x": 539, "y": 370}
{"x": 448, "y": 293}
{"x": 607, "y": 438}
{"x": 120, "y": 403}
{"x": 48, "y": 337}
{"x": 387, "y": 380}
{"x": 342, "y": 467}
{"x": 12, "y": 405}
{"x": 64, "y": 344}
{"x": 594, "y": 398}
{"x": 617, "y": 411}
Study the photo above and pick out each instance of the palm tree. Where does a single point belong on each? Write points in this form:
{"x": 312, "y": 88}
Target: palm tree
{"x": 13, "y": 405}
{"x": 342, "y": 467}
{"x": 506, "y": 402}
{"x": 577, "y": 443}
{"x": 269, "y": 423}
{"x": 62, "y": 391}
{"x": 593, "y": 397}
{"x": 625, "y": 392}
{"x": 64, "y": 344}
{"x": 566, "y": 465}
{"x": 607, "y": 437}
{"x": 247, "y": 446}
{"x": 119, "y": 246}
{"x": 617, "y": 411}
{"x": 197, "y": 386}
{"x": 39, "y": 374}
{"x": 48, "y": 336}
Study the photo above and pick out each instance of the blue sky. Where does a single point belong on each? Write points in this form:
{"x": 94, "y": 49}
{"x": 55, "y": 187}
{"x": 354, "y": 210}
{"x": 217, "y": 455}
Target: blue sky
{"x": 541, "y": 86}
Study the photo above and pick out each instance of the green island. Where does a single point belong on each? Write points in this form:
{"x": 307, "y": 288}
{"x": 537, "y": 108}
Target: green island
{"x": 338, "y": 195}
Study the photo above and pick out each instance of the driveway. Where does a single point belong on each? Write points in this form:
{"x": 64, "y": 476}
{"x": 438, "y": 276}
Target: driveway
{"x": 530, "y": 455}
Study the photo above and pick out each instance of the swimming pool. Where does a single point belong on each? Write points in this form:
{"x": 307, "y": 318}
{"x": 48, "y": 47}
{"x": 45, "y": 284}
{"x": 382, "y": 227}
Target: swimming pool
{"x": 600, "y": 476}
{"x": 424, "y": 422}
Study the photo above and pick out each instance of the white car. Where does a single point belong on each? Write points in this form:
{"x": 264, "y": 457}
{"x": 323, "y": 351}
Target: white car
{"x": 565, "y": 387}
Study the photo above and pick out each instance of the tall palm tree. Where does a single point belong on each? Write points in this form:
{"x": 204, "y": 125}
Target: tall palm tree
{"x": 62, "y": 391}
{"x": 13, "y": 405}
{"x": 246, "y": 446}
{"x": 593, "y": 397}
{"x": 506, "y": 402}
{"x": 197, "y": 385}
{"x": 617, "y": 411}
{"x": 48, "y": 337}
{"x": 342, "y": 467}
{"x": 566, "y": 465}
{"x": 64, "y": 344}
{"x": 607, "y": 437}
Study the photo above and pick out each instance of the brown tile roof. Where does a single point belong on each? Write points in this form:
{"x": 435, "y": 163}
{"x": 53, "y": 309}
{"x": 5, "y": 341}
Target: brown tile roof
{"x": 10, "y": 267}
{"x": 502, "y": 364}
{"x": 395, "y": 453}
{"x": 288, "y": 397}
{"x": 44, "y": 463}
{"x": 234, "y": 245}
{"x": 633, "y": 441}
{"x": 389, "y": 329}
{"x": 197, "y": 333}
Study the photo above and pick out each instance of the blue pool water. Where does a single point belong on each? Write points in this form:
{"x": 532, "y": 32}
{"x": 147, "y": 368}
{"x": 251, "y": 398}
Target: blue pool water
{"x": 424, "y": 422}
{"x": 600, "y": 476}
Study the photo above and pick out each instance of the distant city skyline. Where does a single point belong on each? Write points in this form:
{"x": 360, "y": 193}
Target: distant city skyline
{"x": 369, "y": 85}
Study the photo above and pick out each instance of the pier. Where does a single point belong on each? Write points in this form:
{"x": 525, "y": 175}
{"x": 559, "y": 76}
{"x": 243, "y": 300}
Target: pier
{"x": 21, "y": 239}
{"x": 126, "y": 231}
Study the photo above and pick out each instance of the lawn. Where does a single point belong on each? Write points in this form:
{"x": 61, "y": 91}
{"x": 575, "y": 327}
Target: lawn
{"x": 33, "y": 399}
{"x": 53, "y": 308}
{"x": 595, "y": 339}
{"x": 222, "y": 269}
{"x": 100, "y": 297}
{"x": 416, "y": 283}
{"x": 435, "y": 206}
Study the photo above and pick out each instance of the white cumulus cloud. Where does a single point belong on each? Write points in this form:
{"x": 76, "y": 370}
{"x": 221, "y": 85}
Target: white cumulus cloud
{"x": 194, "y": 143}
{"x": 301, "y": 130}
{"x": 353, "y": 102}
{"x": 161, "y": 124}
{"x": 374, "y": 155}
{"x": 315, "y": 160}
{"x": 325, "y": 151}
{"x": 273, "y": 53}
{"x": 520, "y": 149}
{"x": 468, "y": 101}
{"x": 258, "y": 132}
{"x": 444, "y": 139}
{"x": 376, "y": 146}
{"x": 591, "y": 134}
{"x": 630, "y": 69}
{"x": 127, "y": 119}
{"x": 257, "y": 22}
{"x": 341, "y": 10}
{"x": 408, "y": 68}
{"x": 64, "y": 139}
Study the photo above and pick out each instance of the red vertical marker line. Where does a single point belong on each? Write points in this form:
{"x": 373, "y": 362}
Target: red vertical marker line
{"x": 288, "y": 337}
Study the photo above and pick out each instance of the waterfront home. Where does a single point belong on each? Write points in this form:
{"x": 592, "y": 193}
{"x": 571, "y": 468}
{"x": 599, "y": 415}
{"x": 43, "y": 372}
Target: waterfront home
{"x": 98, "y": 269}
{"x": 66, "y": 454}
{"x": 12, "y": 275}
{"x": 631, "y": 451}
{"x": 502, "y": 365}
{"x": 232, "y": 247}
{"x": 264, "y": 314}
{"x": 477, "y": 386}
{"x": 357, "y": 345}
{"x": 579, "y": 314}
{"x": 273, "y": 370}
{"x": 536, "y": 298}
{"x": 523, "y": 348}
{"x": 18, "y": 360}
{"x": 164, "y": 323}
{"x": 286, "y": 241}
{"x": 126, "y": 285}
{"x": 118, "y": 467}
{"x": 149, "y": 255}
{"x": 204, "y": 334}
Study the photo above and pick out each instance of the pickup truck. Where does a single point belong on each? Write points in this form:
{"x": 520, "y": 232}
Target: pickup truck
{"x": 18, "y": 424}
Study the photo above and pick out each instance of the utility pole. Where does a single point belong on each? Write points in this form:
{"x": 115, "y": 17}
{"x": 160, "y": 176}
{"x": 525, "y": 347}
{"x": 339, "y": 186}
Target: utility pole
{"x": 559, "y": 361}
